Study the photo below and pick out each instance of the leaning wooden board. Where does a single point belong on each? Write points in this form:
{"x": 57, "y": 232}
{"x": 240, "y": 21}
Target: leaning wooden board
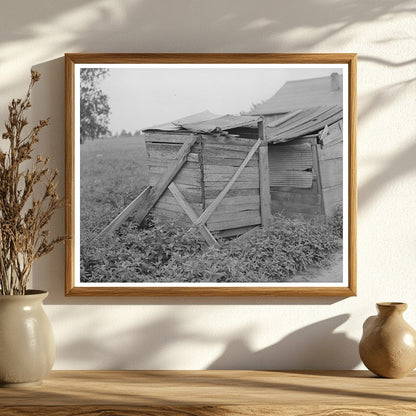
{"x": 206, "y": 393}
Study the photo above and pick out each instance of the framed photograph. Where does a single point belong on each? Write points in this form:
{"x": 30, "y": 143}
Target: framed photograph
{"x": 211, "y": 174}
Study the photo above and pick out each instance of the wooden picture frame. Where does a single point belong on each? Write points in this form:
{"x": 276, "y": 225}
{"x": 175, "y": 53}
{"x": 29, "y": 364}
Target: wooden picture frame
{"x": 267, "y": 127}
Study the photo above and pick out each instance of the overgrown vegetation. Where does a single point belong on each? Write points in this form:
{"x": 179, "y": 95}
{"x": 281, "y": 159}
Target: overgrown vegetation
{"x": 166, "y": 252}
{"x": 336, "y": 222}
{"x": 113, "y": 173}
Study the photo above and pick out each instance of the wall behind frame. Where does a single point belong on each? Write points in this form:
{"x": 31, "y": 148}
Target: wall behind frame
{"x": 194, "y": 333}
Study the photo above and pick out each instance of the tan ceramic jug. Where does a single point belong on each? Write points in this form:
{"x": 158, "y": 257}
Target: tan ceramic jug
{"x": 27, "y": 347}
{"x": 388, "y": 344}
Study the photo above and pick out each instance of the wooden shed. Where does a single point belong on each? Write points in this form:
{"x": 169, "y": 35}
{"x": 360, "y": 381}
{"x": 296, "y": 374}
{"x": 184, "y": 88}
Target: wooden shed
{"x": 227, "y": 174}
{"x": 218, "y": 184}
{"x": 304, "y": 129}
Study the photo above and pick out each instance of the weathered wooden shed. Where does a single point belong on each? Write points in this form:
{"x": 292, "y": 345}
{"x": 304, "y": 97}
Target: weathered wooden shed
{"x": 219, "y": 180}
{"x": 304, "y": 129}
{"x": 227, "y": 174}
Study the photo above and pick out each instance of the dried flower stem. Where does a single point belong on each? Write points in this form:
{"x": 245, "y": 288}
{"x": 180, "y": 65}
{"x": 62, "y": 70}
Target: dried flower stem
{"x": 23, "y": 217}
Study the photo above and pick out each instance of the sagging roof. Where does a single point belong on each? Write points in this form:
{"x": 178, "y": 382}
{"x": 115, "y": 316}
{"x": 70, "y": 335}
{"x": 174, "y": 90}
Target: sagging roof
{"x": 302, "y": 94}
{"x": 301, "y": 123}
{"x": 223, "y": 123}
{"x": 289, "y": 126}
{"x": 207, "y": 122}
{"x": 177, "y": 124}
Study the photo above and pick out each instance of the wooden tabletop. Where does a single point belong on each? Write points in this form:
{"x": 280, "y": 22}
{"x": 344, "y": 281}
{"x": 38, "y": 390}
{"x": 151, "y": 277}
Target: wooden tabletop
{"x": 202, "y": 393}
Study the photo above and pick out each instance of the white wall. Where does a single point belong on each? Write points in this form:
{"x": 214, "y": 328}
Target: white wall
{"x": 199, "y": 333}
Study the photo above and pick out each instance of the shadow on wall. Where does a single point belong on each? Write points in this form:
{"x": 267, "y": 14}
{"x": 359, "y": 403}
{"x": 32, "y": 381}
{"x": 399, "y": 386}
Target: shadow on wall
{"x": 229, "y": 22}
{"x": 133, "y": 26}
{"x": 393, "y": 169}
{"x": 142, "y": 347}
{"x": 48, "y": 100}
{"x": 314, "y": 347}
{"x": 152, "y": 345}
{"x": 382, "y": 97}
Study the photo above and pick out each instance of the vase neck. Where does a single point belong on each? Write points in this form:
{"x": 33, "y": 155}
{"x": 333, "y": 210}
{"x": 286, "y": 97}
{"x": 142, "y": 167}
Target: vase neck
{"x": 391, "y": 308}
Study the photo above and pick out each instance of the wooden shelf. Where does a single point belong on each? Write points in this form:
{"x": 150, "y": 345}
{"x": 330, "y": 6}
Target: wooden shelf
{"x": 203, "y": 393}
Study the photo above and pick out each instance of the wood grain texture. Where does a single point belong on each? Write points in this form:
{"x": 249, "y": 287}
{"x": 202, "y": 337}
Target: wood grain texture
{"x": 234, "y": 220}
{"x": 165, "y": 179}
{"x": 316, "y": 168}
{"x": 211, "y": 208}
{"x": 352, "y": 174}
{"x": 260, "y": 410}
{"x": 264, "y": 177}
{"x": 166, "y": 137}
{"x": 181, "y": 291}
{"x": 193, "y": 216}
{"x": 69, "y": 174}
{"x": 293, "y": 209}
{"x": 177, "y": 58}
{"x": 127, "y": 212}
{"x": 203, "y": 393}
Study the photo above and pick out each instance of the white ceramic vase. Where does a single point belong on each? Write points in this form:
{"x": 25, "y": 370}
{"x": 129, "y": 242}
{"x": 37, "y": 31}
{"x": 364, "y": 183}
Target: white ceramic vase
{"x": 27, "y": 347}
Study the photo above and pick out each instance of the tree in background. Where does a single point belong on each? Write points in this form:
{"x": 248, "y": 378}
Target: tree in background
{"x": 125, "y": 133}
{"x": 253, "y": 107}
{"x": 94, "y": 107}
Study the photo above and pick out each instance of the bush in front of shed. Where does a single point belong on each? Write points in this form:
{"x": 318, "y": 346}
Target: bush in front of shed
{"x": 169, "y": 253}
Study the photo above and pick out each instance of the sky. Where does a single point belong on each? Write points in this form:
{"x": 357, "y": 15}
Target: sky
{"x": 143, "y": 97}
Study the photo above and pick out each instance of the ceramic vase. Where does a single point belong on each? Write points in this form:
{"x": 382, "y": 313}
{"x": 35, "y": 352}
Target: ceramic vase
{"x": 27, "y": 347}
{"x": 388, "y": 345}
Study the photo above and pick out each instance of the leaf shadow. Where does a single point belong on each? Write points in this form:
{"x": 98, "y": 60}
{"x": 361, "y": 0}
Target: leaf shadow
{"x": 313, "y": 347}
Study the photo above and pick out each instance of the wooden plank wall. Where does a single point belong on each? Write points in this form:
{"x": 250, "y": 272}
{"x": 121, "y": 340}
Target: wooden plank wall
{"x": 210, "y": 165}
{"x": 162, "y": 148}
{"x": 221, "y": 157}
{"x": 331, "y": 161}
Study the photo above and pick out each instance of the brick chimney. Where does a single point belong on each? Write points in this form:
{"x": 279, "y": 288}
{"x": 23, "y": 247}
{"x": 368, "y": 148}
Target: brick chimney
{"x": 335, "y": 82}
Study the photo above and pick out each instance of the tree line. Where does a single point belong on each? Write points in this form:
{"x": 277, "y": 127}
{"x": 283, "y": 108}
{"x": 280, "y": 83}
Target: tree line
{"x": 94, "y": 106}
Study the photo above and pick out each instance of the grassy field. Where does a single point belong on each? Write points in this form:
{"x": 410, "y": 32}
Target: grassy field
{"x": 114, "y": 172}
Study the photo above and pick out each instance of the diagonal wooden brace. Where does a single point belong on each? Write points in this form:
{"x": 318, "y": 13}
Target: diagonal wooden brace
{"x": 203, "y": 218}
{"x": 127, "y": 212}
{"x": 189, "y": 211}
{"x": 145, "y": 201}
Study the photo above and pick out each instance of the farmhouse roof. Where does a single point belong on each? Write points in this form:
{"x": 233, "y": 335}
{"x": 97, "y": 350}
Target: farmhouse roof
{"x": 302, "y": 94}
{"x": 207, "y": 122}
{"x": 176, "y": 124}
{"x": 299, "y": 123}
{"x": 294, "y": 124}
{"x": 223, "y": 123}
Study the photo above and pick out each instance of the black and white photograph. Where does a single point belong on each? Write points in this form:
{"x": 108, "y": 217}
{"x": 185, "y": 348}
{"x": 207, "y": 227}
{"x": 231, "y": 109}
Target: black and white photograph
{"x": 211, "y": 175}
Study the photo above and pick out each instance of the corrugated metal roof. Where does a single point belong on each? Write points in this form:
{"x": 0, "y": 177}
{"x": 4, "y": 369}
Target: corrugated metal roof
{"x": 177, "y": 124}
{"x": 196, "y": 118}
{"x": 207, "y": 122}
{"x": 226, "y": 122}
{"x": 301, "y": 94}
{"x": 162, "y": 127}
{"x": 295, "y": 124}
{"x": 302, "y": 122}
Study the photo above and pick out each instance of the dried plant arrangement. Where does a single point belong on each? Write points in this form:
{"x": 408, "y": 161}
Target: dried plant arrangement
{"x": 28, "y": 198}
